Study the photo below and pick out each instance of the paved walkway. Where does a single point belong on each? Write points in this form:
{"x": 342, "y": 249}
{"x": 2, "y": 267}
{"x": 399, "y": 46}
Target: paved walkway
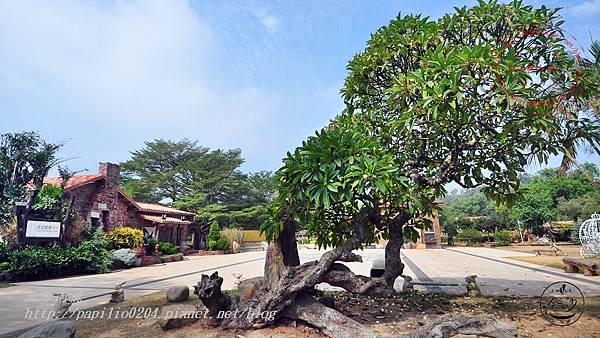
{"x": 497, "y": 276}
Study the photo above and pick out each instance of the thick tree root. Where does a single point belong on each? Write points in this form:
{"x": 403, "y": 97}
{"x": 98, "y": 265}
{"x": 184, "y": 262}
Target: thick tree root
{"x": 452, "y": 324}
{"x": 340, "y": 275}
{"x": 331, "y": 322}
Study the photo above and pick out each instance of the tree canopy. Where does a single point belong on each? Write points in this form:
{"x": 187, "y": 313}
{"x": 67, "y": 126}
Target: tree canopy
{"x": 467, "y": 98}
{"x": 550, "y": 195}
{"x": 24, "y": 158}
{"x": 195, "y": 178}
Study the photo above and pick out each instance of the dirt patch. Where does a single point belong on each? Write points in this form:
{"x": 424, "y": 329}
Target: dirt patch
{"x": 388, "y": 317}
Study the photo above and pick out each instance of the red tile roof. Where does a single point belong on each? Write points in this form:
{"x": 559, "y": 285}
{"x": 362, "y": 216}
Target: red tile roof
{"x": 158, "y": 208}
{"x": 75, "y": 181}
{"x": 161, "y": 220}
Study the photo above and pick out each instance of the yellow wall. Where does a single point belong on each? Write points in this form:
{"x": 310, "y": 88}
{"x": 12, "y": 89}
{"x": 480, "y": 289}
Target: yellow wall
{"x": 253, "y": 236}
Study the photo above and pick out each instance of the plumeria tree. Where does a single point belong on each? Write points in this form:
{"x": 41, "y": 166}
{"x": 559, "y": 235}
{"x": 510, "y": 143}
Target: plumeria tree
{"x": 470, "y": 98}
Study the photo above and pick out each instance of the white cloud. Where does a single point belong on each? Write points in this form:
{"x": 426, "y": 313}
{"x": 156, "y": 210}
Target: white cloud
{"x": 141, "y": 64}
{"x": 586, "y": 8}
{"x": 269, "y": 21}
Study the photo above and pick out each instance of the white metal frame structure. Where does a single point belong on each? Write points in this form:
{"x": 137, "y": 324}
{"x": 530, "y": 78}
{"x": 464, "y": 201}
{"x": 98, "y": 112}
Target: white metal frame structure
{"x": 589, "y": 235}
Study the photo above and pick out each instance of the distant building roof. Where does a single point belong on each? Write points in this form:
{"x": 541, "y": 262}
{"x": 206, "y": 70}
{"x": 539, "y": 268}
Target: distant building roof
{"x": 163, "y": 220}
{"x": 158, "y": 208}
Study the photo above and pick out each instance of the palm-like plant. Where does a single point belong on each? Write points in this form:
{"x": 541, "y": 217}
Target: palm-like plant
{"x": 591, "y": 108}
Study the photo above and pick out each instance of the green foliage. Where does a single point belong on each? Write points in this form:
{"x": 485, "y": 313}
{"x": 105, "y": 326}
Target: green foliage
{"x": 4, "y": 266}
{"x": 168, "y": 248}
{"x": 164, "y": 247}
{"x": 48, "y": 203}
{"x": 3, "y": 250}
{"x": 35, "y": 262}
{"x": 469, "y": 204}
{"x": 233, "y": 215}
{"x": 222, "y": 244}
{"x": 430, "y": 102}
{"x": 214, "y": 232}
{"x": 574, "y": 236}
{"x": 24, "y": 158}
{"x": 552, "y": 194}
{"x": 93, "y": 255}
{"x": 195, "y": 178}
{"x": 580, "y": 208}
{"x": 212, "y": 245}
{"x": 125, "y": 237}
{"x": 470, "y": 235}
{"x": 503, "y": 238}
{"x": 152, "y": 244}
{"x": 332, "y": 176}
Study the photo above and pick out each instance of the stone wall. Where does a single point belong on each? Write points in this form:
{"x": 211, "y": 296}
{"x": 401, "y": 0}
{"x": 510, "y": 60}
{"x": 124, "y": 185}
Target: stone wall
{"x": 104, "y": 198}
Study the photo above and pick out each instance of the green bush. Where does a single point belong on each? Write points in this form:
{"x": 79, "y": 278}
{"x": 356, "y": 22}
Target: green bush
{"x": 574, "y": 236}
{"x": 48, "y": 203}
{"x": 212, "y": 245}
{"x": 503, "y": 237}
{"x": 125, "y": 238}
{"x": 3, "y": 251}
{"x": 222, "y": 244}
{"x": 152, "y": 244}
{"x": 38, "y": 262}
{"x": 470, "y": 235}
{"x": 4, "y": 266}
{"x": 214, "y": 232}
{"x": 168, "y": 248}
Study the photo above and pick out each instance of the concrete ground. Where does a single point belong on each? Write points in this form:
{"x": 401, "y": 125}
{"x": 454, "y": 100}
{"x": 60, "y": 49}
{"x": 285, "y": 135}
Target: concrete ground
{"x": 497, "y": 275}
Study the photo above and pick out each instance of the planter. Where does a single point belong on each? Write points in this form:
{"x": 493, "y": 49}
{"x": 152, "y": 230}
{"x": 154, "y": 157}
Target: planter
{"x": 171, "y": 258}
{"x": 189, "y": 251}
{"x": 150, "y": 260}
{"x": 211, "y": 252}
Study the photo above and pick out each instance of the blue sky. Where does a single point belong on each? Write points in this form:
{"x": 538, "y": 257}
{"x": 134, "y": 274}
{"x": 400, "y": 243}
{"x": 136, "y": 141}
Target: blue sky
{"x": 257, "y": 75}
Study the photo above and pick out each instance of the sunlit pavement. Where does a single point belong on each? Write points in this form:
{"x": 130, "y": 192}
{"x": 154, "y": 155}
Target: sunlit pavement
{"x": 497, "y": 275}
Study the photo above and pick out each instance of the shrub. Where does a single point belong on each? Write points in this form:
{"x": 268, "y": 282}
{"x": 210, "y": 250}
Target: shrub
{"x": 48, "y": 203}
{"x": 8, "y": 232}
{"x": 94, "y": 255}
{"x": 222, "y": 244}
{"x": 470, "y": 235}
{"x": 3, "y": 251}
{"x": 35, "y": 262}
{"x": 168, "y": 248}
{"x": 574, "y": 237}
{"x": 503, "y": 237}
{"x": 214, "y": 232}
{"x": 233, "y": 235}
{"x": 4, "y": 266}
{"x": 152, "y": 244}
{"x": 126, "y": 238}
{"x": 212, "y": 245}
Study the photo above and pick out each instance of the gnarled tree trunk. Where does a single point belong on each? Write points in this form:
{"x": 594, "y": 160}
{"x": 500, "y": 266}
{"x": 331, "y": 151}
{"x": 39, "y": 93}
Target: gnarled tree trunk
{"x": 287, "y": 282}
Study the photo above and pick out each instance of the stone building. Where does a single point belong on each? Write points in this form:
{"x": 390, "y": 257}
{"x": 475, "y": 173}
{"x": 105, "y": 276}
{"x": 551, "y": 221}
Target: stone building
{"x": 99, "y": 201}
{"x": 428, "y": 237}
